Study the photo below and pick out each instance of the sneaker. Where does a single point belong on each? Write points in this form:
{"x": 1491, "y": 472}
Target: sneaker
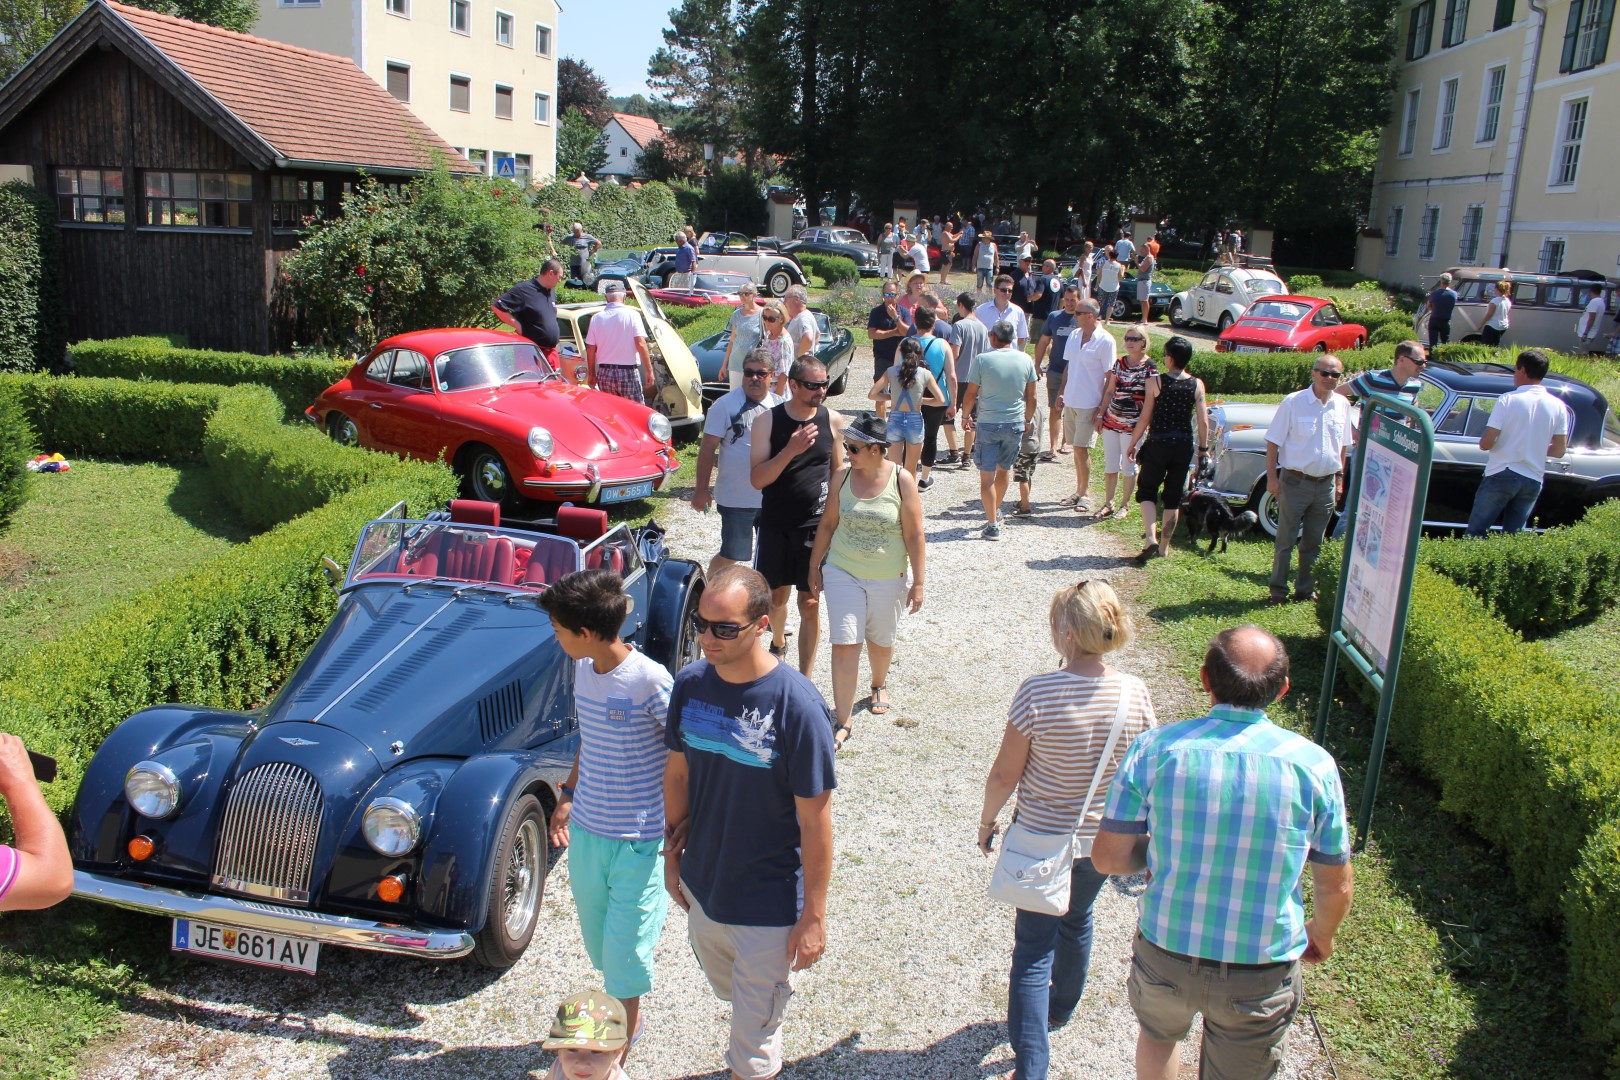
{"x": 992, "y": 531}
{"x": 951, "y": 458}
{"x": 925, "y": 483}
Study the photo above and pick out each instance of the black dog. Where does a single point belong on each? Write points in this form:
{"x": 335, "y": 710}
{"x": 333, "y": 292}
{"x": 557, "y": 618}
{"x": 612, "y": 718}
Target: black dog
{"x": 1205, "y": 511}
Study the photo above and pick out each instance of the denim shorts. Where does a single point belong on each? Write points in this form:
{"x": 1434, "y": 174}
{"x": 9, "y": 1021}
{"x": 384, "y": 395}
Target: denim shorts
{"x": 997, "y": 446}
{"x": 738, "y": 527}
{"x": 905, "y": 427}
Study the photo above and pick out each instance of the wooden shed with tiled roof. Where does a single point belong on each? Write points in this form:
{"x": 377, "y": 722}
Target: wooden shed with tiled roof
{"x": 185, "y": 158}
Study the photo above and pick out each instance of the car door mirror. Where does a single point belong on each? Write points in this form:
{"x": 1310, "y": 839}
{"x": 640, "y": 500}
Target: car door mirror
{"x": 333, "y": 572}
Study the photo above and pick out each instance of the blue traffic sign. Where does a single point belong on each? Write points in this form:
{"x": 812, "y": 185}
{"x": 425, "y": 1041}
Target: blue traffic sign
{"x": 507, "y": 167}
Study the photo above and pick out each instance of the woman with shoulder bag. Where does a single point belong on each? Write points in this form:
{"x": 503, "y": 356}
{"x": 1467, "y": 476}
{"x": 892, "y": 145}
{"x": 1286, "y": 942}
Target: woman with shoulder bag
{"x": 1066, "y": 733}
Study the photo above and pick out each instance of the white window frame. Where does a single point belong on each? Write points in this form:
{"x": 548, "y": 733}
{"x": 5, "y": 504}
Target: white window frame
{"x": 495, "y": 108}
{"x": 1392, "y": 232}
{"x": 451, "y": 101}
{"x": 1409, "y": 122}
{"x": 1485, "y": 107}
{"x": 551, "y": 39}
{"x": 298, "y": 3}
{"x": 464, "y": 5}
{"x": 538, "y": 98}
{"x": 1561, "y": 142}
{"x": 390, "y": 62}
{"x": 1473, "y": 215}
{"x": 1429, "y": 242}
{"x": 1563, "y": 252}
{"x": 524, "y": 173}
{"x": 486, "y": 164}
{"x": 1445, "y": 114}
{"x": 511, "y": 28}
{"x": 403, "y": 10}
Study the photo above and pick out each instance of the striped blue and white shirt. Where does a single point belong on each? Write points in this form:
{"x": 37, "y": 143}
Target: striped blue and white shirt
{"x": 1234, "y": 806}
{"x": 620, "y": 794}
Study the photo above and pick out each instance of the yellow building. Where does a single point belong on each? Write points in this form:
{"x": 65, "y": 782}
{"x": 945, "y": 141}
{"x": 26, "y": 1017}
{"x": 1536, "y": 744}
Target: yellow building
{"x": 481, "y": 73}
{"x": 1492, "y": 156}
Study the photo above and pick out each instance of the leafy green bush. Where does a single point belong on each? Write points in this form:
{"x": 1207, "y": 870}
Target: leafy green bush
{"x": 831, "y": 269}
{"x": 567, "y": 295}
{"x": 115, "y": 417}
{"x": 1305, "y": 284}
{"x": 619, "y": 216}
{"x": 1539, "y": 584}
{"x": 1387, "y": 334}
{"x": 33, "y": 325}
{"x": 1591, "y": 914}
{"x": 297, "y": 380}
{"x": 709, "y": 320}
{"x": 732, "y": 201}
{"x": 432, "y": 254}
{"x": 17, "y": 445}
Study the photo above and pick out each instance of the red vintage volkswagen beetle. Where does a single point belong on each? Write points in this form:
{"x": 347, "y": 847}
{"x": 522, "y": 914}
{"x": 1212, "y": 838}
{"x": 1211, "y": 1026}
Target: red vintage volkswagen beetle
{"x": 503, "y": 418}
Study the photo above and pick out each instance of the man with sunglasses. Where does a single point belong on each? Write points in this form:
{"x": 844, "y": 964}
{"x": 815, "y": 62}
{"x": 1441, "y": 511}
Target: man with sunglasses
{"x": 727, "y": 440}
{"x": 794, "y": 450}
{"x": 886, "y": 325}
{"x": 748, "y": 809}
{"x": 1000, "y": 308}
{"x": 1307, "y": 454}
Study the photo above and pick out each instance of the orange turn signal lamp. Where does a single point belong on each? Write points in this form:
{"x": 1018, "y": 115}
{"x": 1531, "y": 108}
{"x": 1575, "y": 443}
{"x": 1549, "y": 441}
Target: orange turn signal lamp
{"x": 141, "y": 848}
{"x": 391, "y": 888}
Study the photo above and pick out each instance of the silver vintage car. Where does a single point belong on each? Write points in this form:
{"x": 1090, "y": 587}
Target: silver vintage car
{"x": 1459, "y": 398}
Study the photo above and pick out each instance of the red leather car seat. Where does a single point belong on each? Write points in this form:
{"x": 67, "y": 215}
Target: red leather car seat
{"x": 474, "y": 512}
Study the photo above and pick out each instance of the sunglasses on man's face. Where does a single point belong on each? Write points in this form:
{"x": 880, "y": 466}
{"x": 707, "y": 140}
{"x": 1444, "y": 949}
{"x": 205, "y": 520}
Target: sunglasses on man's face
{"x": 725, "y": 631}
{"x": 755, "y": 373}
{"x": 1003, "y": 289}
{"x": 812, "y": 386}
{"x": 1328, "y": 374}
{"x": 890, "y": 295}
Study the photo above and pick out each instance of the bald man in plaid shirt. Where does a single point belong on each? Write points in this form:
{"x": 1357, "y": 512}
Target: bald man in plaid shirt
{"x": 1226, "y": 811}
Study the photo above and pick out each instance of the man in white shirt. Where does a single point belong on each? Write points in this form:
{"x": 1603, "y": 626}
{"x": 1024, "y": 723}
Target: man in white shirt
{"x": 1590, "y": 326}
{"x": 1090, "y": 355}
{"x": 1002, "y": 309}
{"x": 616, "y": 356}
{"x": 1307, "y": 451}
{"x": 727, "y": 437}
{"x": 919, "y": 251}
{"x": 1528, "y": 426}
{"x": 802, "y": 330}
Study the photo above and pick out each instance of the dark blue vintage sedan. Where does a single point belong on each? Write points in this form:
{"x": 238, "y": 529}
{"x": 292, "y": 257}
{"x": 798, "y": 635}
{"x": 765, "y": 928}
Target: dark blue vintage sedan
{"x": 394, "y": 795}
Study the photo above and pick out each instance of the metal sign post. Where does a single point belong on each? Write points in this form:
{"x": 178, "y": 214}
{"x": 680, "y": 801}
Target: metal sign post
{"x": 1391, "y": 485}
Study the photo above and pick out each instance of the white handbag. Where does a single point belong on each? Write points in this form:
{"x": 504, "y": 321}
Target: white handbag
{"x": 1033, "y": 871}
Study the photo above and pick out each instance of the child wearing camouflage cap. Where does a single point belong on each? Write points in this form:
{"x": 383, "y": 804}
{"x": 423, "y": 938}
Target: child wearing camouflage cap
{"x": 589, "y": 1036}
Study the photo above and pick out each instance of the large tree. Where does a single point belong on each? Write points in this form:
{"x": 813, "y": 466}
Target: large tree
{"x": 699, "y": 68}
{"x": 26, "y": 26}
{"x": 580, "y": 87}
{"x": 581, "y": 146}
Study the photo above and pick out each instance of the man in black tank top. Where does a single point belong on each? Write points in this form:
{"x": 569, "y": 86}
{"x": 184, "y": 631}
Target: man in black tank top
{"x": 795, "y": 449}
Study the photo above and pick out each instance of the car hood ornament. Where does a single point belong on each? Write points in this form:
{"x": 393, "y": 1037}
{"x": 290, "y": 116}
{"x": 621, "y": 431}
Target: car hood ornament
{"x": 295, "y": 741}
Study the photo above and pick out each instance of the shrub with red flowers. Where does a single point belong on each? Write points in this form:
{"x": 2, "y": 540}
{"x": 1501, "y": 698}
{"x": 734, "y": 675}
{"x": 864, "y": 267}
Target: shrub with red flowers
{"x": 434, "y": 253}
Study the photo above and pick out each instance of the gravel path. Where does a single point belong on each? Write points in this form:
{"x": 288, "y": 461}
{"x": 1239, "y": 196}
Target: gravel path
{"x": 913, "y": 984}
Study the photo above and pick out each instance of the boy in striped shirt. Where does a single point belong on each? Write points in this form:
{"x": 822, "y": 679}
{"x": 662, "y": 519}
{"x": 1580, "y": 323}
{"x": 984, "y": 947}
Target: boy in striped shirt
{"x": 610, "y": 812}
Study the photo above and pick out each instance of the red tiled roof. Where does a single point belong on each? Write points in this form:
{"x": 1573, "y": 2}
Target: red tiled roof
{"x": 640, "y": 128}
{"x": 308, "y": 106}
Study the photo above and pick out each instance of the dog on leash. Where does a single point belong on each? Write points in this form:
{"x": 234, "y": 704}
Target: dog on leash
{"x": 1206, "y": 512}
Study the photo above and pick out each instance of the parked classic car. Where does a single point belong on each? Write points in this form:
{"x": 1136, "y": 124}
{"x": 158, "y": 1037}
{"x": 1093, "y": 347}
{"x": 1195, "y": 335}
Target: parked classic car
{"x": 1223, "y": 294}
{"x": 1126, "y": 306}
{"x": 771, "y": 270}
{"x": 1291, "y": 324}
{"x": 834, "y": 348}
{"x": 680, "y": 397}
{"x": 846, "y": 243}
{"x": 1459, "y": 398}
{"x": 512, "y": 427}
{"x": 1546, "y": 307}
{"x": 374, "y": 803}
{"x": 707, "y": 288}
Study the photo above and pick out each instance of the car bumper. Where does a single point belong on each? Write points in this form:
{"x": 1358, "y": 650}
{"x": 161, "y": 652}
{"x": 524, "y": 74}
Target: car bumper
{"x": 422, "y": 942}
{"x": 586, "y": 484}
{"x": 1236, "y": 498}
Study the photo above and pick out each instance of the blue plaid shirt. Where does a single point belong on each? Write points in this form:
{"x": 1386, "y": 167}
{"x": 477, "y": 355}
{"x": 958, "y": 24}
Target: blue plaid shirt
{"x": 1234, "y": 806}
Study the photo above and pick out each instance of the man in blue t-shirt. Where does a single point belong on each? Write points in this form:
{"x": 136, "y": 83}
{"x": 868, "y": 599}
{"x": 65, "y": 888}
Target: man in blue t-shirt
{"x": 1440, "y": 304}
{"x": 748, "y": 804}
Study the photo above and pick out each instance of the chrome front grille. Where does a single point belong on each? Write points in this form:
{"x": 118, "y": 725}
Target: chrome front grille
{"x": 267, "y": 841}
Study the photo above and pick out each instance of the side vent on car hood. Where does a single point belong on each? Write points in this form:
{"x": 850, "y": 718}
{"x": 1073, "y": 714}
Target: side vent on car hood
{"x": 318, "y": 687}
{"x": 423, "y": 653}
{"x": 500, "y": 711}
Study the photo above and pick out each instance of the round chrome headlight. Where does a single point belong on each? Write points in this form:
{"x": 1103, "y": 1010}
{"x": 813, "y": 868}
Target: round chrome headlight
{"x": 541, "y": 444}
{"x": 152, "y": 789}
{"x": 658, "y": 426}
{"x": 391, "y": 827}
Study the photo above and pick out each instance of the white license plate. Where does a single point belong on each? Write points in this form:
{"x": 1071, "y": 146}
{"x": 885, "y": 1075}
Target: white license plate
{"x": 246, "y": 946}
{"x": 626, "y": 492}
{"x": 1252, "y": 348}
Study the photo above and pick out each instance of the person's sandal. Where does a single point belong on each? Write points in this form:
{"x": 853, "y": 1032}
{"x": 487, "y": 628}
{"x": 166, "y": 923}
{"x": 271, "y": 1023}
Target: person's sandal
{"x": 1106, "y": 510}
{"x": 878, "y": 708}
{"x": 1071, "y": 500}
{"x": 778, "y": 651}
{"x": 846, "y": 731}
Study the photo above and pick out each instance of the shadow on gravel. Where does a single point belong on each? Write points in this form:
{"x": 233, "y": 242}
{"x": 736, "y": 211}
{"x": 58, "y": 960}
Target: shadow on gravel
{"x": 958, "y": 1056}
{"x": 1083, "y": 562}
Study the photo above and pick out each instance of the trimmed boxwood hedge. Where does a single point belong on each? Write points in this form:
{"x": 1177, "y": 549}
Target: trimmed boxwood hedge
{"x": 831, "y": 269}
{"x": 296, "y": 380}
{"x": 17, "y": 445}
{"x": 227, "y": 633}
{"x": 1524, "y": 748}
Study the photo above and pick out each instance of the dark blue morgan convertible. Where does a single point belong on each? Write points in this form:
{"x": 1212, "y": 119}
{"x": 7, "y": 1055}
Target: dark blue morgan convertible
{"x": 394, "y": 795}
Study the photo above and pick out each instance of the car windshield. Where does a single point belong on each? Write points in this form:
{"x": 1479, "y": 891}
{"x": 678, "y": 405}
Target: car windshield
{"x": 847, "y": 236}
{"x": 1276, "y": 309}
{"x": 463, "y": 554}
{"x": 488, "y": 365}
{"x": 720, "y": 283}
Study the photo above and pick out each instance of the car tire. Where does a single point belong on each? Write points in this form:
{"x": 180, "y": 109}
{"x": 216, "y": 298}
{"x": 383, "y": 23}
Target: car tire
{"x": 1360, "y": 343}
{"x": 1266, "y": 508}
{"x": 1176, "y": 316}
{"x": 486, "y": 477}
{"x": 839, "y": 384}
{"x": 687, "y": 648}
{"x": 1225, "y": 324}
{"x": 1119, "y": 312}
{"x": 517, "y": 885}
{"x": 1321, "y": 346}
{"x": 342, "y": 430}
{"x": 778, "y": 281}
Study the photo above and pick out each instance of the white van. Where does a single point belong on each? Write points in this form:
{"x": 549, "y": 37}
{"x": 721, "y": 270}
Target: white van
{"x": 1546, "y": 307}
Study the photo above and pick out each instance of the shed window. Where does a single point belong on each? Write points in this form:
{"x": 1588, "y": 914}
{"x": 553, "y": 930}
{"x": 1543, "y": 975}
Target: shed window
{"x": 204, "y": 200}
{"x": 503, "y": 102}
{"x": 460, "y": 93}
{"x": 294, "y": 203}
{"x": 94, "y": 196}
{"x": 399, "y": 80}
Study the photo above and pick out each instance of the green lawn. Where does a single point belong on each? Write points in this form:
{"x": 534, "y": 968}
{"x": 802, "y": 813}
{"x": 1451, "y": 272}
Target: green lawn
{"x": 1594, "y": 648}
{"x": 98, "y": 531}
{"x": 1438, "y": 972}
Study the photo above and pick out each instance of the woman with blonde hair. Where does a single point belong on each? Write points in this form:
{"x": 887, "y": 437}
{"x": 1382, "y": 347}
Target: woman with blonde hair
{"x": 776, "y": 342}
{"x": 1123, "y": 390}
{"x": 1053, "y": 753}
{"x": 916, "y": 282}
